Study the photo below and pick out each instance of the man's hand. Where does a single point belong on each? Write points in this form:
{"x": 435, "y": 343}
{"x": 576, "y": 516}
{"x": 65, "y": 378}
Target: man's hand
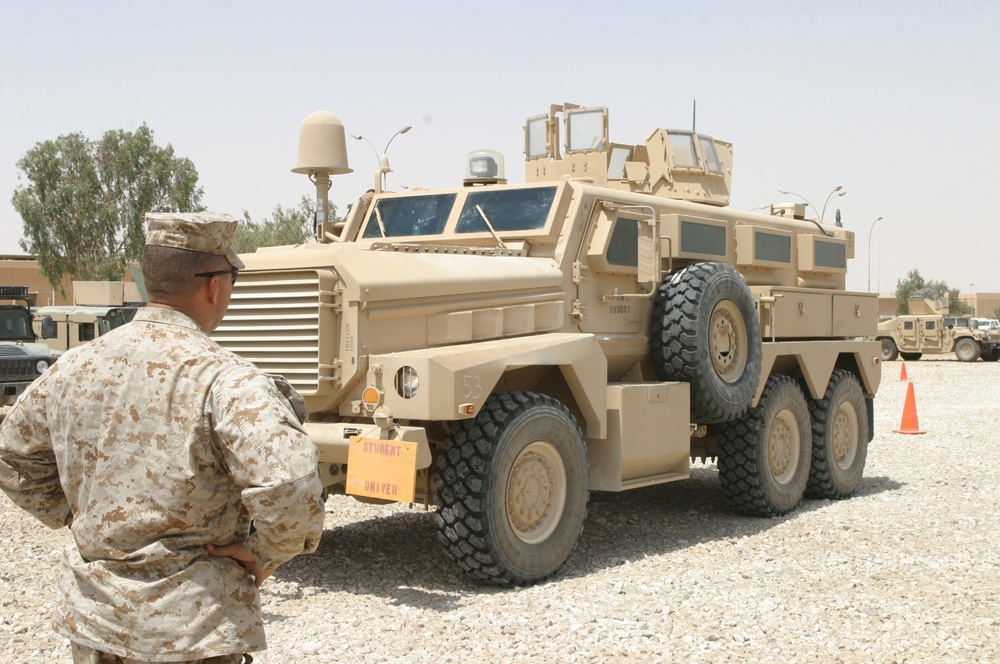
{"x": 240, "y": 554}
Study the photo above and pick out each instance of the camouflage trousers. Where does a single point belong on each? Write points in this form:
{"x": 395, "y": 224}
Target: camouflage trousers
{"x": 85, "y": 655}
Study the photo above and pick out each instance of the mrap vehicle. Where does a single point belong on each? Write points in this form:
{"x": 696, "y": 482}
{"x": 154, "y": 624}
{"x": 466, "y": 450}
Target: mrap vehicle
{"x": 503, "y": 349}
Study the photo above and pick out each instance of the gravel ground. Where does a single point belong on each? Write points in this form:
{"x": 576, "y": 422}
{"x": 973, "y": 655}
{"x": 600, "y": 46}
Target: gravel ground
{"x": 905, "y": 571}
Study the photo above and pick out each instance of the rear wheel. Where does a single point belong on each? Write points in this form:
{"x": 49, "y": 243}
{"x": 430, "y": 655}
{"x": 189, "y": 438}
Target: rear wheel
{"x": 889, "y": 350}
{"x": 911, "y": 357}
{"x": 705, "y": 332}
{"x": 512, "y": 490}
{"x": 764, "y": 456}
{"x": 839, "y": 438}
{"x": 967, "y": 350}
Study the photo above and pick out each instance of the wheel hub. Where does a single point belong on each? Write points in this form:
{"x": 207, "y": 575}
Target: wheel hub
{"x": 728, "y": 341}
{"x": 536, "y": 492}
{"x": 783, "y": 447}
{"x": 845, "y": 436}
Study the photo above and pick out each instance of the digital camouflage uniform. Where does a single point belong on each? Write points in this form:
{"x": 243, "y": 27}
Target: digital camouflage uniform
{"x": 150, "y": 443}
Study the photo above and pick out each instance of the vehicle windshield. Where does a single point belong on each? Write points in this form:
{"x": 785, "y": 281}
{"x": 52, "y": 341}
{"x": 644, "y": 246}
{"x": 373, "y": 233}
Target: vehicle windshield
{"x": 409, "y": 215}
{"x": 14, "y": 324}
{"x": 506, "y": 209}
{"x": 521, "y": 209}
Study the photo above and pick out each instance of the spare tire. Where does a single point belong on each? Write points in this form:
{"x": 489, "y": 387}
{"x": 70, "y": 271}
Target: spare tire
{"x": 705, "y": 332}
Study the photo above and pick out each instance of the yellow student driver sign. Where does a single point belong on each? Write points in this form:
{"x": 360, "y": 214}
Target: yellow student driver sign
{"x": 382, "y": 469}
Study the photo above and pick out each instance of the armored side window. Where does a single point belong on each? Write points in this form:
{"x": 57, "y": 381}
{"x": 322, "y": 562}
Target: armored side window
{"x": 685, "y": 155}
{"x": 586, "y": 130}
{"x": 931, "y": 325}
{"x": 623, "y": 249}
{"x": 535, "y": 137}
{"x": 86, "y": 332}
{"x": 712, "y": 163}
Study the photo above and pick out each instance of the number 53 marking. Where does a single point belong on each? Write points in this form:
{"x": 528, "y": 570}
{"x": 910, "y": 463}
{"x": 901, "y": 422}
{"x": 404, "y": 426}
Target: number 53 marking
{"x": 473, "y": 388}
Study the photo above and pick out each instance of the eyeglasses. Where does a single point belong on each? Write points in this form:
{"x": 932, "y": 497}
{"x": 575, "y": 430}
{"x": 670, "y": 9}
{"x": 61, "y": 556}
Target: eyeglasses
{"x": 233, "y": 272}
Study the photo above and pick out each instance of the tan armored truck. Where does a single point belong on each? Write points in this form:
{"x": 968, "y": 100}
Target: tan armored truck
{"x": 928, "y": 329}
{"x": 22, "y": 357}
{"x": 504, "y": 349}
{"x": 98, "y": 307}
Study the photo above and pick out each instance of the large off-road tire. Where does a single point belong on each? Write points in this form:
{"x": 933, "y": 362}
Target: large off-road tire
{"x": 889, "y": 350}
{"x": 839, "y": 438}
{"x": 764, "y": 456}
{"x": 910, "y": 357}
{"x": 967, "y": 350}
{"x": 512, "y": 490}
{"x": 990, "y": 355}
{"x": 705, "y": 332}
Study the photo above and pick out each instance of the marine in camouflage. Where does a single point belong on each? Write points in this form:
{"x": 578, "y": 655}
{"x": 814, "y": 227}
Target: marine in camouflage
{"x": 150, "y": 443}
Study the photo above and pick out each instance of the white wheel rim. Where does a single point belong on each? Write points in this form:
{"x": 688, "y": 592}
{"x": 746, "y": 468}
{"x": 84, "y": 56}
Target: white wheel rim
{"x": 728, "y": 341}
{"x": 845, "y": 436}
{"x": 783, "y": 447}
{"x": 536, "y": 492}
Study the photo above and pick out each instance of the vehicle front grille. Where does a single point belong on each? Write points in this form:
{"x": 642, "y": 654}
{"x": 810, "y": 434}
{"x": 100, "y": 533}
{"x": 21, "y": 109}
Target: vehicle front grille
{"x": 285, "y": 323}
{"x": 17, "y": 370}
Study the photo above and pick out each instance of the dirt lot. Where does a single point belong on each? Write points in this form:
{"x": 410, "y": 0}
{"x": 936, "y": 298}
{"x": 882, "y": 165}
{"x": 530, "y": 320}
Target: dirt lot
{"x": 906, "y": 570}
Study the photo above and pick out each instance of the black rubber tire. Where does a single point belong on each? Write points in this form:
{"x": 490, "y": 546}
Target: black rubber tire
{"x": 967, "y": 350}
{"x": 839, "y": 438}
{"x": 911, "y": 357}
{"x": 889, "y": 350}
{"x": 765, "y": 455}
{"x": 991, "y": 355}
{"x": 705, "y": 332}
{"x": 517, "y": 438}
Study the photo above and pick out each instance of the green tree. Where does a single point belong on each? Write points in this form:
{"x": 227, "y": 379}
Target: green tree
{"x": 916, "y": 286}
{"x": 292, "y": 225}
{"x": 85, "y": 200}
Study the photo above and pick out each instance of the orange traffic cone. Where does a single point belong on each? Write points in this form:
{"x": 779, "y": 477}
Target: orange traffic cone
{"x": 902, "y": 372}
{"x": 909, "y": 422}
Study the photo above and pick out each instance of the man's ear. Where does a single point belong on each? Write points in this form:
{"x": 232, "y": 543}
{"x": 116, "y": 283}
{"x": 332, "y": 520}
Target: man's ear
{"x": 213, "y": 289}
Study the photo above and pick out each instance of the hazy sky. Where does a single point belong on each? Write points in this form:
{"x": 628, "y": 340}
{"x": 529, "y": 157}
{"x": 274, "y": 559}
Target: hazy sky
{"x": 866, "y": 95}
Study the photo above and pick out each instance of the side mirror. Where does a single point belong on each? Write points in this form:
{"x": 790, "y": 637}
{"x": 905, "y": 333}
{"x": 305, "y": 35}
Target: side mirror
{"x": 48, "y": 328}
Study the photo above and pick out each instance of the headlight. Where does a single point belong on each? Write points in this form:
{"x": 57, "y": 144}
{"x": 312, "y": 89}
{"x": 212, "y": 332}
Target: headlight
{"x": 41, "y": 366}
{"x": 407, "y": 382}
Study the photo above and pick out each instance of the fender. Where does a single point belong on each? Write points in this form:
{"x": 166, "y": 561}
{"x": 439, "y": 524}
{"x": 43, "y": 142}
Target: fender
{"x": 453, "y": 382}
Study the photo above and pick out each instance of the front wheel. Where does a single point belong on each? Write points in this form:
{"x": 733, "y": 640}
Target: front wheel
{"x": 839, "y": 438}
{"x": 889, "y": 350}
{"x": 512, "y": 490}
{"x": 967, "y": 350}
{"x": 764, "y": 456}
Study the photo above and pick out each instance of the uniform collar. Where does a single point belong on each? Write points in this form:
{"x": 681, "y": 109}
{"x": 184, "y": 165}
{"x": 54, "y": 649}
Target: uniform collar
{"x": 166, "y": 317}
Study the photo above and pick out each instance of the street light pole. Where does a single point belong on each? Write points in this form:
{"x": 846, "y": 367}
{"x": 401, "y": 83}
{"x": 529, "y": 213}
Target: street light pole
{"x": 839, "y": 191}
{"x": 870, "y": 253}
{"x": 792, "y": 193}
{"x": 383, "y": 160}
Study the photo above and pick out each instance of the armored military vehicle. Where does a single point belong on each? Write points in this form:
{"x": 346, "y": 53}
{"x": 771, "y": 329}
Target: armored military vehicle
{"x": 504, "y": 349}
{"x": 98, "y": 307}
{"x": 928, "y": 329}
{"x": 22, "y": 357}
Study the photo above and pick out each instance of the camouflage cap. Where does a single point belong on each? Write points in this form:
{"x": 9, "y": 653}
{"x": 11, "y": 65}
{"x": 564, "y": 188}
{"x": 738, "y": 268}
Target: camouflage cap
{"x": 207, "y": 232}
